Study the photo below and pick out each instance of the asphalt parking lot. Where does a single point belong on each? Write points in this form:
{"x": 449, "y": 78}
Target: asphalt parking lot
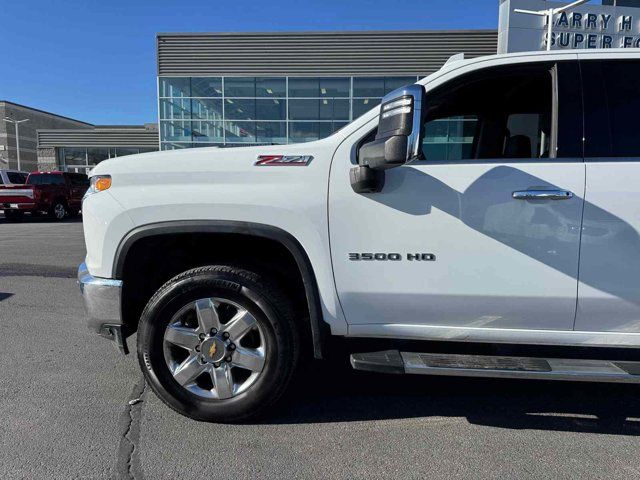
{"x": 65, "y": 395}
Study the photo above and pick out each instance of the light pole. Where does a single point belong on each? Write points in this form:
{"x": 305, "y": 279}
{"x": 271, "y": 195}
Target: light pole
{"x": 17, "y": 123}
{"x": 549, "y": 14}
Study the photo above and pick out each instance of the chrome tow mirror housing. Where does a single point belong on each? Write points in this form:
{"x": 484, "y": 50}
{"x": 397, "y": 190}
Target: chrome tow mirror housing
{"x": 398, "y": 139}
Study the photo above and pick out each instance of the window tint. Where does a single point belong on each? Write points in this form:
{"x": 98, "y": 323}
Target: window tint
{"x": 46, "y": 179}
{"x": 499, "y": 113}
{"x": 15, "y": 177}
{"x": 612, "y": 102}
{"x": 78, "y": 180}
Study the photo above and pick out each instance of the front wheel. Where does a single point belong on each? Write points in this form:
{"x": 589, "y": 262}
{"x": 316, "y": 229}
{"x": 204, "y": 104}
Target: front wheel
{"x": 218, "y": 344}
{"x": 58, "y": 211}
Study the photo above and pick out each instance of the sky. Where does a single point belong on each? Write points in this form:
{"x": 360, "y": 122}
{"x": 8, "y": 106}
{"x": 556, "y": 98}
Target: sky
{"x": 96, "y": 60}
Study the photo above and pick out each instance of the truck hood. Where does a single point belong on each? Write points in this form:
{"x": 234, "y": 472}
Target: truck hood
{"x": 209, "y": 159}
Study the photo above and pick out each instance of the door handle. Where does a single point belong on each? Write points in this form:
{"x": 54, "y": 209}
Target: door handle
{"x": 542, "y": 195}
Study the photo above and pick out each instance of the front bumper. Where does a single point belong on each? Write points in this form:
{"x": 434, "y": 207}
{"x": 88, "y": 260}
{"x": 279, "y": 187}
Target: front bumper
{"x": 28, "y": 206}
{"x": 102, "y": 298}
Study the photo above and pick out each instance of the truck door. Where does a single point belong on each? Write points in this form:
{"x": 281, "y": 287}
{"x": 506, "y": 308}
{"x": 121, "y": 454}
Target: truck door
{"x": 609, "y": 288}
{"x": 468, "y": 237}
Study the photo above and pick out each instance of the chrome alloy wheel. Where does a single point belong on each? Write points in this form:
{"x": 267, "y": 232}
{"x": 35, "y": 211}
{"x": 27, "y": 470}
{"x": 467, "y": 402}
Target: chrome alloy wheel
{"x": 215, "y": 348}
{"x": 59, "y": 211}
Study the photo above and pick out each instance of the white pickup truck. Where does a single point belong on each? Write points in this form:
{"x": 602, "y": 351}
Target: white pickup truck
{"x": 494, "y": 204}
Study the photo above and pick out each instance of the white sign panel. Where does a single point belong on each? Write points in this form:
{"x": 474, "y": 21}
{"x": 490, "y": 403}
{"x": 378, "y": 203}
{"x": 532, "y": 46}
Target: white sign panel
{"x": 586, "y": 26}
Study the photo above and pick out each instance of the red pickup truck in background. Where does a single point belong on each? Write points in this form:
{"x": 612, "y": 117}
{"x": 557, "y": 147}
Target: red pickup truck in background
{"x": 59, "y": 194}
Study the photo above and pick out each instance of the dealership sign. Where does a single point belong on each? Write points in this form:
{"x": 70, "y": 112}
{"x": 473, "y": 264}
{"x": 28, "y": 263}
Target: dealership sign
{"x": 585, "y": 26}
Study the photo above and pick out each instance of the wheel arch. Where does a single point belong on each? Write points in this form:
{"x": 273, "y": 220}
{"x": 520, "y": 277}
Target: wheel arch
{"x": 318, "y": 328}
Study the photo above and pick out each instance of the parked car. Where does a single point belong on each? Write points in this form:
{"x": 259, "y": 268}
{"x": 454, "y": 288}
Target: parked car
{"x": 58, "y": 194}
{"x": 12, "y": 177}
{"x": 496, "y": 202}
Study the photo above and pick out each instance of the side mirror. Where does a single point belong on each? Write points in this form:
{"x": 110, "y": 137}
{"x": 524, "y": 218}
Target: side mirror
{"x": 398, "y": 139}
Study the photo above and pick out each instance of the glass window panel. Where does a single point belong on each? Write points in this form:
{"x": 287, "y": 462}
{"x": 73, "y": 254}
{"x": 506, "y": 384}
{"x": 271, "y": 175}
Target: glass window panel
{"x": 328, "y": 128}
{"x": 271, "y": 132}
{"x": 303, "y": 131}
{"x": 363, "y": 105}
{"x": 304, "y": 109}
{"x": 171, "y": 108}
{"x": 391, "y": 83}
{"x": 325, "y": 129}
{"x": 16, "y": 177}
{"x": 206, "y": 108}
{"x": 175, "y": 131}
{"x": 75, "y": 156}
{"x": 175, "y": 87}
{"x": 240, "y": 132}
{"x": 271, "y": 109}
{"x": 334, "y": 109}
{"x": 204, "y": 145}
{"x": 175, "y": 146}
{"x": 435, "y": 152}
{"x": 206, "y": 86}
{"x": 436, "y": 131}
{"x": 124, "y": 151}
{"x": 271, "y": 87}
{"x": 148, "y": 149}
{"x": 207, "y": 131}
{"x": 368, "y": 87}
{"x": 304, "y": 87}
{"x": 240, "y": 109}
{"x": 339, "y": 125}
{"x": 239, "y": 87}
{"x": 321, "y": 109}
{"x": 612, "y": 110}
{"x": 335, "y": 87}
{"x": 96, "y": 155}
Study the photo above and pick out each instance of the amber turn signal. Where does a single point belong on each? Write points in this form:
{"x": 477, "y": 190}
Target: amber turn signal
{"x": 101, "y": 182}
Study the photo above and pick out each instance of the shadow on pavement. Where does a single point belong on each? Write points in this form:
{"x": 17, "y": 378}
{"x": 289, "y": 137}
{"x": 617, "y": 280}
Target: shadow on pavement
{"x": 4, "y": 296}
{"x": 332, "y": 392}
{"x": 28, "y": 218}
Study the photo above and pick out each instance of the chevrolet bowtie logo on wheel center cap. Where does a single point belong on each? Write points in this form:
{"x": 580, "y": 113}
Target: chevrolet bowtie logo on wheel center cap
{"x": 213, "y": 349}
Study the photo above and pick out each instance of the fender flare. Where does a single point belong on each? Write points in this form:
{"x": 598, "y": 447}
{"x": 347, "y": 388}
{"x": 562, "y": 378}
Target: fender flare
{"x": 319, "y": 328}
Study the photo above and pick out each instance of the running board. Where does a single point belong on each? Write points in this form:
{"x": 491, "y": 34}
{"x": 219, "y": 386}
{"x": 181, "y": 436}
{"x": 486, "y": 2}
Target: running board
{"x": 393, "y": 361}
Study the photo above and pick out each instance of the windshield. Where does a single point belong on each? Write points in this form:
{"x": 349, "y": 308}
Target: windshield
{"x": 45, "y": 179}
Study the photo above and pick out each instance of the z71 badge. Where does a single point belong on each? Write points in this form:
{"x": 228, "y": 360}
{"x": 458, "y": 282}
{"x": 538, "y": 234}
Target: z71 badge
{"x": 394, "y": 257}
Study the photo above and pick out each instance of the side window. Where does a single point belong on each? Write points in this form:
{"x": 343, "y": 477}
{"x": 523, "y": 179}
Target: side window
{"x": 612, "y": 102}
{"x": 79, "y": 180}
{"x": 34, "y": 180}
{"x": 498, "y": 113}
{"x": 17, "y": 178}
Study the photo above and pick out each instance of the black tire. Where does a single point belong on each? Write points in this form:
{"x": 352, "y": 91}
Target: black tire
{"x": 58, "y": 211}
{"x": 13, "y": 215}
{"x": 268, "y": 305}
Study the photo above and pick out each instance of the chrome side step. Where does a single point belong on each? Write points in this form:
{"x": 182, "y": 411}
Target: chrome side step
{"x": 393, "y": 361}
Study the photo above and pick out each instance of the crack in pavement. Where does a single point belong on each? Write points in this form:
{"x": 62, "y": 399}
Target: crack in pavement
{"x": 128, "y": 462}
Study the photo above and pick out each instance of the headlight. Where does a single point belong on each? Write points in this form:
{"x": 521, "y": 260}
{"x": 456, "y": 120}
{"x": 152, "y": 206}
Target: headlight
{"x": 98, "y": 183}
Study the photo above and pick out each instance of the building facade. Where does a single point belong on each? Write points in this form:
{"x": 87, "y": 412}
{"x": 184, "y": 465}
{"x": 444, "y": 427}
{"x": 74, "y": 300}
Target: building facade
{"x": 36, "y": 119}
{"x": 277, "y": 88}
{"x": 79, "y": 150}
{"x": 611, "y": 24}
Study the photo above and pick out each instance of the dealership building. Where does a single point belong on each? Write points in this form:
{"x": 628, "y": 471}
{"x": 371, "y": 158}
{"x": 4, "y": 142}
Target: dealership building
{"x": 79, "y": 150}
{"x": 231, "y": 89}
{"x": 237, "y": 89}
{"x": 265, "y": 88}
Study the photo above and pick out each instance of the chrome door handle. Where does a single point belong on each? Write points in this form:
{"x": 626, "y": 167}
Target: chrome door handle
{"x": 542, "y": 195}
